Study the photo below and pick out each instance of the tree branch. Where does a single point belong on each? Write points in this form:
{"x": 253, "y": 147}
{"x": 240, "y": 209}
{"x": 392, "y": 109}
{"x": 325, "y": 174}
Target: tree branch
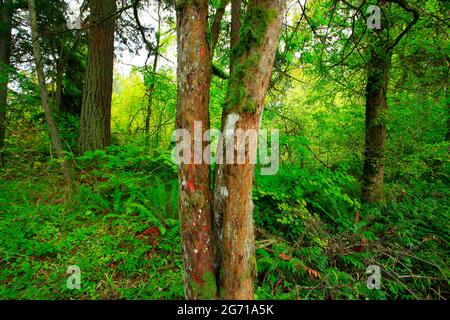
{"x": 215, "y": 27}
{"x": 414, "y": 11}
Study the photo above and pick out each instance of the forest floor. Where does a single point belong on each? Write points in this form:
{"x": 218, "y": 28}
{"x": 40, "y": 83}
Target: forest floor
{"x": 118, "y": 223}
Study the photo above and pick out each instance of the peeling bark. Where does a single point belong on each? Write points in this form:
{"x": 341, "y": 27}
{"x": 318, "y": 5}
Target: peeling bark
{"x": 233, "y": 205}
{"x": 193, "y": 75}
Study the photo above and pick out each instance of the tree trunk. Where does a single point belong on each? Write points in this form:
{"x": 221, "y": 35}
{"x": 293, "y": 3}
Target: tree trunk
{"x": 375, "y": 131}
{"x": 235, "y": 28}
{"x": 218, "y": 177}
{"x": 95, "y": 122}
{"x": 56, "y": 140}
{"x": 447, "y": 98}
{"x": 194, "y": 74}
{"x": 243, "y": 107}
{"x": 380, "y": 50}
{"x": 151, "y": 88}
{"x": 60, "y": 69}
{"x": 6, "y": 12}
{"x": 215, "y": 28}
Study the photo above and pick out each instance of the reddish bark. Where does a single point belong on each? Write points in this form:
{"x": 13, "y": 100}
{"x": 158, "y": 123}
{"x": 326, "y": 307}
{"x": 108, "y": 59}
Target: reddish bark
{"x": 233, "y": 205}
{"x": 194, "y": 76}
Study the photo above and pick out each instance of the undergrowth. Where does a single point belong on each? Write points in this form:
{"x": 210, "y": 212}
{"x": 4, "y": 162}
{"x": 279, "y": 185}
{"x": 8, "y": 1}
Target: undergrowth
{"x": 119, "y": 223}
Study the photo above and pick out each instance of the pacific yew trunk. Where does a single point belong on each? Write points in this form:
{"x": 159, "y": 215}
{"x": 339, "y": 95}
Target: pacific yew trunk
{"x": 233, "y": 206}
{"x": 6, "y": 12}
{"x": 193, "y": 75}
{"x": 95, "y": 121}
{"x": 227, "y": 258}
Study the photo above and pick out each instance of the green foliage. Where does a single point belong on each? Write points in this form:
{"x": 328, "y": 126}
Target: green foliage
{"x": 105, "y": 224}
{"x": 118, "y": 221}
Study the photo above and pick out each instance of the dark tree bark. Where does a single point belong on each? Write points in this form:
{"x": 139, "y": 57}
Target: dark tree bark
{"x": 215, "y": 28}
{"x": 6, "y": 12}
{"x": 60, "y": 70}
{"x": 380, "y": 52}
{"x": 54, "y": 134}
{"x": 235, "y": 27}
{"x": 447, "y": 98}
{"x": 375, "y": 132}
{"x": 194, "y": 74}
{"x": 243, "y": 107}
{"x": 151, "y": 87}
{"x": 95, "y": 121}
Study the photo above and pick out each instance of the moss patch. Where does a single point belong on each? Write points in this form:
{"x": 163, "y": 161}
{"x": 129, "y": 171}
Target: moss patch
{"x": 208, "y": 290}
{"x": 254, "y": 28}
{"x": 247, "y": 58}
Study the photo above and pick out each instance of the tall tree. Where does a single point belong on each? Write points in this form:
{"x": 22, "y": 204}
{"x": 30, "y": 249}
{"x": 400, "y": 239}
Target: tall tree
{"x": 380, "y": 52}
{"x": 6, "y": 13}
{"x": 54, "y": 133}
{"x": 95, "y": 122}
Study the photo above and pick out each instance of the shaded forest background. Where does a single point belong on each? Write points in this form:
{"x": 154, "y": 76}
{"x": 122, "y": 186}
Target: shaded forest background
{"x": 316, "y": 231}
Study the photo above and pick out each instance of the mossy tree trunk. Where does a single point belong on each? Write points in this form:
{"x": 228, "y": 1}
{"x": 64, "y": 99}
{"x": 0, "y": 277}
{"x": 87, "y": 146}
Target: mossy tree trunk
{"x": 218, "y": 178}
{"x": 235, "y": 27}
{"x": 254, "y": 55}
{"x": 227, "y": 258}
{"x": 6, "y": 12}
{"x": 95, "y": 121}
{"x": 375, "y": 130}
{"x": 193, "y": 75}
